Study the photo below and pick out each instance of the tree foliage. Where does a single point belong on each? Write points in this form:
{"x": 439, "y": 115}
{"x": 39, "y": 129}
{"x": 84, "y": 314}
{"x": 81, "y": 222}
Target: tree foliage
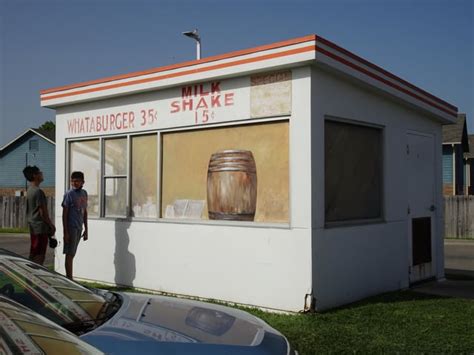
{"x": 48, "y": 126}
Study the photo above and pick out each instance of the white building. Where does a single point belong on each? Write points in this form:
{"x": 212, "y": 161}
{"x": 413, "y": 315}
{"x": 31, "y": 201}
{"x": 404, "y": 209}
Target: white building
{"x": 334, "y": 193}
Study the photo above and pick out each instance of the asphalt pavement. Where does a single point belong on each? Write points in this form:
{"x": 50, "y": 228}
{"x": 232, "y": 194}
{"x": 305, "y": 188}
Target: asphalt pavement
{"x": 459, "y": 265}
{"x": 459, "y": 270}
{"x": 20, "y": 244}
{"x": 459, "y": 257}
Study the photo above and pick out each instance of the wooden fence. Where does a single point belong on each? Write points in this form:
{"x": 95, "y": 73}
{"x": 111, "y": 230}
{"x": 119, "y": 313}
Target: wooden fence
{"x": 13, "y": 211}
{"x": 459, "y": 217}
{"x": 458, "y": 214}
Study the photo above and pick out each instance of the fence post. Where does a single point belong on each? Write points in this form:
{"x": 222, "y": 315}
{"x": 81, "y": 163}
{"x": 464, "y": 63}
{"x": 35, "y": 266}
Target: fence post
{"x": 13, "y": 211}
{"x": 458, "y": 217}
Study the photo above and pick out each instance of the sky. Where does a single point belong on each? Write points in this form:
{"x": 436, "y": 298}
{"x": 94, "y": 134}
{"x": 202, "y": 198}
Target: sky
{"x": 50, "y": 43}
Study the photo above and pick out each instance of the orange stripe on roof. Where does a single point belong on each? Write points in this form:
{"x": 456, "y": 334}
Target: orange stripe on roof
{"x": 385, "y": 81}
{"x": 449, "y": 108}
{"x": 187, "y": 72}
{"x": 185, "y": 64}
{"x": 383, "y": 71}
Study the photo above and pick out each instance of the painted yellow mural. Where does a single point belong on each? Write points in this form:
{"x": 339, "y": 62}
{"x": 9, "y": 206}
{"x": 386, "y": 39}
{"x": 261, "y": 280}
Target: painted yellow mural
{"x": 232, "y": 185}
{"x": 186, "y": 158}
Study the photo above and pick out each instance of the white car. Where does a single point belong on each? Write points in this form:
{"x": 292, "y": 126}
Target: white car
{"x": 124, "y": 323}
{"x": 23, "y": 331}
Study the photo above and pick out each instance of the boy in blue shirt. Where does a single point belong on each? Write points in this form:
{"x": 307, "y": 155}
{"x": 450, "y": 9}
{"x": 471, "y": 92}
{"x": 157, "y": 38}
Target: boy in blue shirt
{"x": 74, "y": 217}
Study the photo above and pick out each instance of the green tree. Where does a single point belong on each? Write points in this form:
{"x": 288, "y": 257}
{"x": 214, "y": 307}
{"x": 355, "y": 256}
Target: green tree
{"x": 48, "y": 126}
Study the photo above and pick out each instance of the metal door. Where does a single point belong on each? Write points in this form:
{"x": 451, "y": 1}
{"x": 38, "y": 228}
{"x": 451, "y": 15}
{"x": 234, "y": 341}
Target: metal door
{"x": 420, "y": 185}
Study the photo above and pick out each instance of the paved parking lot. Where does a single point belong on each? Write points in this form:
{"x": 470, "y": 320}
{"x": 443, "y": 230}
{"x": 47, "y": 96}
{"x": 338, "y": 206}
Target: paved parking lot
{"x": 459, "y": 257}
{"x": 459, "y": 265}
{"x": 20, "y": 244}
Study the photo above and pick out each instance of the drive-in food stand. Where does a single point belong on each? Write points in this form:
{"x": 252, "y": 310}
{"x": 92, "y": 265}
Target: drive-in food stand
{"x": 291, "y": 176}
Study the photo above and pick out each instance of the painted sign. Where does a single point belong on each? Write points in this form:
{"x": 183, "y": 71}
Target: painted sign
{"x": 202, "y": 100}
{"x": 189, "y": 105}
{"x": 270, "y": 94}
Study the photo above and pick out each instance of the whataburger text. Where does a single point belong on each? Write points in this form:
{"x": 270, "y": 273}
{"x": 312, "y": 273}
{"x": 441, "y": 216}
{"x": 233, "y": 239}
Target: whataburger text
{"x": 193, "y": 98}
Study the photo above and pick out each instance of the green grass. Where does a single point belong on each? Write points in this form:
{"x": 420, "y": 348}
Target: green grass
{"x": 14, "y": 230}
{"x": 399, "y": 322}
{"x": 469, "y": 238}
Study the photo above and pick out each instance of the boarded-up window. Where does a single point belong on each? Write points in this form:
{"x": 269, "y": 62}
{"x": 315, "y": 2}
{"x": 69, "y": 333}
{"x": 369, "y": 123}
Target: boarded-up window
{"x": 353, "y": 172}
{"x": 231, "y": 173}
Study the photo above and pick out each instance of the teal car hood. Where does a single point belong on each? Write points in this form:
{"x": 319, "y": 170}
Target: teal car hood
{"x": 166, "y": 325}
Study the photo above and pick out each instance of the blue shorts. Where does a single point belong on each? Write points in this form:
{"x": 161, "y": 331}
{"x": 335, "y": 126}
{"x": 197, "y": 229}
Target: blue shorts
{"x": 74, "y": 237}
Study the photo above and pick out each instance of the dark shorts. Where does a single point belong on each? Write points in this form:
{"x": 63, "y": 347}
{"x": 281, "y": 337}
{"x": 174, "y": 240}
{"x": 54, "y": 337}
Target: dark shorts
{"x": 74, "y": 237}
{"x": 39, "y": 243}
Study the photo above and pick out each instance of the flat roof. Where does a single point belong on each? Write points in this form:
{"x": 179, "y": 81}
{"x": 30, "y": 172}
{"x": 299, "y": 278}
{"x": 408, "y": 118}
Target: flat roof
{"x": 311, "y": 49}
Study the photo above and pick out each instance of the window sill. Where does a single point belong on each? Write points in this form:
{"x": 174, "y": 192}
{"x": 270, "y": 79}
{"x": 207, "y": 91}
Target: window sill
{"x": 354, "y": 223}
{"x": 203, "y": 222}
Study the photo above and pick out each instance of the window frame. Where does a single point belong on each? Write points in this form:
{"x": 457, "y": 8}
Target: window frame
{"x": 33, "y": 145}
{"x": 383, "y": 150}
{"x": 105, "y": 177}
{"x": 158, "y": 133}
{"x": 69, "y": 171}
{"x": 127, "y": 175}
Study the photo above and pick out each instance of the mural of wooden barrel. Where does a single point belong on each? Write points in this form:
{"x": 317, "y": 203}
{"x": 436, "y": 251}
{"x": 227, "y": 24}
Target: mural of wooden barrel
{"x": 232, "y": 185}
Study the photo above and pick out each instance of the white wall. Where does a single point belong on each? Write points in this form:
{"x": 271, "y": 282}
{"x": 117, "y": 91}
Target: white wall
{"x": 350, "y": 263}
{"x": 268, "y": 266}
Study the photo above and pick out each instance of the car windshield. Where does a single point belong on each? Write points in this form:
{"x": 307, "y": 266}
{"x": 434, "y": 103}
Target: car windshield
{"x": 25, "y": 332}
{"x": 52, "y": 295}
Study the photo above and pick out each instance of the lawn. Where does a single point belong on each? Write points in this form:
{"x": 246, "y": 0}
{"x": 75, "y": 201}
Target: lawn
{"x": 397, "y": 322}
{"x": 14, "y": 230}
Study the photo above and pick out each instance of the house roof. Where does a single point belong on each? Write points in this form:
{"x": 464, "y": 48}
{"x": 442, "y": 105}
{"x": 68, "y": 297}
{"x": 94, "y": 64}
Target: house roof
{"x": 308, "y": 50}
{"x": 470, "y": 155}
{"x": 49, "y": 136}
{"x": 456, "y": 133}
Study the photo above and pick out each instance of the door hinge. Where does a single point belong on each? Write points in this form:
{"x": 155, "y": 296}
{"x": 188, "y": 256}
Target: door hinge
{"x": 408, "y": 209}
{"x": 409, "y": 270}
{"x": 408, "y": 149}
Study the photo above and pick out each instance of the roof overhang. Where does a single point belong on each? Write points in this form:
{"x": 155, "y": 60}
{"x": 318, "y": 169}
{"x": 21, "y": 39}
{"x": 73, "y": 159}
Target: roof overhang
{"x": 308, "y": 50}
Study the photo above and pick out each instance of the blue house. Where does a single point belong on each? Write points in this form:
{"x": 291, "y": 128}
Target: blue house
{"x": 455, "y": 146}
{"x": 32, "y": 147}
{"x": 469, "y": 159}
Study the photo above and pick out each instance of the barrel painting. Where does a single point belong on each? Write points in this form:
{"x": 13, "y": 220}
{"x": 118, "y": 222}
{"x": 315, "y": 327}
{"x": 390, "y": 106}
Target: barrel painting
{"x": 232, "y": 185}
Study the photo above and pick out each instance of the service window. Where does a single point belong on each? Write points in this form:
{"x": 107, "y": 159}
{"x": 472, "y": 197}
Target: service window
{"x": 85, "y": 156}
{"x": 115, "y": 177}
{"x": 144, "y": 176}
{"x": 353, "y": 172}
{"x": 127, "y": 182}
